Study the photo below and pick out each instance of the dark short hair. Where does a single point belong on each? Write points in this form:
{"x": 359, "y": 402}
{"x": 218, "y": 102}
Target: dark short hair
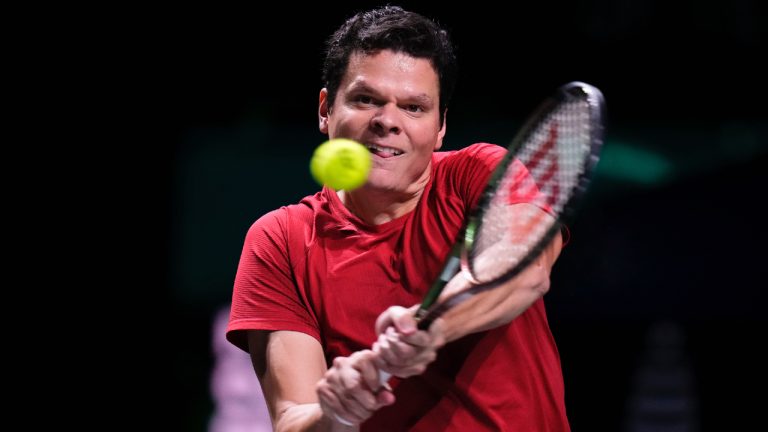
{"x": 395, "y": 29}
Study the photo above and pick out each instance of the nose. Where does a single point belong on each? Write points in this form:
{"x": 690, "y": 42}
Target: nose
{"x": 386, "y": 119}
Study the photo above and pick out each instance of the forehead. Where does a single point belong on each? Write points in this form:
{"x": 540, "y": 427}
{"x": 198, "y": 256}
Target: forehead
{"x": 391, "y": 70}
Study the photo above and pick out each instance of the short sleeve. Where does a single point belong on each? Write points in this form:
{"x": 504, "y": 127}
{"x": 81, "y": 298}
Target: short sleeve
{"x": 265, "y": 295}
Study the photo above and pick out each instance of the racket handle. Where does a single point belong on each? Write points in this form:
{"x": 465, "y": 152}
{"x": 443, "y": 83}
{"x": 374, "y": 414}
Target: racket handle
{"x": 383, "y": 378}
{"x": 342, "y": 420}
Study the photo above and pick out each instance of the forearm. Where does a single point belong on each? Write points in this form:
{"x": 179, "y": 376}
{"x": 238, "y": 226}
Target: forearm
{"x": 502, "y": 304}
{"x": 309, "y": 418}
{"x": 491, "y": 309}
{"x": 289, "y": 365}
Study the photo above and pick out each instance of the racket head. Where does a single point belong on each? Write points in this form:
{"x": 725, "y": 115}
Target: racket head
{"x": 549, "y": 164}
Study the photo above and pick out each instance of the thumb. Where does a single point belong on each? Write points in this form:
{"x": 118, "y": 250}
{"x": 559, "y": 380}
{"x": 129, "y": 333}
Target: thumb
{"x": 398, "y": 317}
{"x": 385, "y": 397}
{"x": 404, "y": 322}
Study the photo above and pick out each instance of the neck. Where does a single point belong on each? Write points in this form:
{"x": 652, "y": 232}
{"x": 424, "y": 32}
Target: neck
{"x": 376, "y": 206}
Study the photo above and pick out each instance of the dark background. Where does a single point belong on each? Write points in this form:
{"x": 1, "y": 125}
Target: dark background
{"x": 671, "y": 231}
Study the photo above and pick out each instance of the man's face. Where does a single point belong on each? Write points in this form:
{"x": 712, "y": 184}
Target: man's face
{"x": 390, "y": 103}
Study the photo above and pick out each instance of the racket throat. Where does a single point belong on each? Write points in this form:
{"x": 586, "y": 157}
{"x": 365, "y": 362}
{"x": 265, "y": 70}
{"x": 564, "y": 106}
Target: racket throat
{"x": 450, "y": 269}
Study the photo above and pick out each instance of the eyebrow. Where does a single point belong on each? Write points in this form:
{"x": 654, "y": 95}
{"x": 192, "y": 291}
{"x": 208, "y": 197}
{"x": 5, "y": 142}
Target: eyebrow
{"x": 423, "y": 98}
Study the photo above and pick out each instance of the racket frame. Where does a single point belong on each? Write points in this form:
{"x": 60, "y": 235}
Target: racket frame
{"x": 458, "y": 259}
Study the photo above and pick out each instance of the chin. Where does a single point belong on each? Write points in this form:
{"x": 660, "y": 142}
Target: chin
{"x": 381, "y": 183}
{"x": 378, "y": 186}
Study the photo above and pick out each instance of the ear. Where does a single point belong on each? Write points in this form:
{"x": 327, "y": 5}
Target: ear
{"x": 323, "y": 111}
{"x": 441, "y": 132}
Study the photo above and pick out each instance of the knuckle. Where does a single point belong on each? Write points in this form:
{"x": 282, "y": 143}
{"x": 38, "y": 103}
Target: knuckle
{"x": 329, "y": 378}
{"x": 351, "y": 386}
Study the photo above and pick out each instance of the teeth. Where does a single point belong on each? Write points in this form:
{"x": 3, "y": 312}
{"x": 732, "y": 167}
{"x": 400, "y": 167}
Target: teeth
{"x": 384, "y": 149}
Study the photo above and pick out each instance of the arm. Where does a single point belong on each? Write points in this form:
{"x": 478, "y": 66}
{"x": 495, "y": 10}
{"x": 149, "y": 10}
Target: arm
{"x": 501, "y": 305}
{"x": 288, "y": 365}
{"x": 404, "y": 351}
{"x": 299, "y": 389}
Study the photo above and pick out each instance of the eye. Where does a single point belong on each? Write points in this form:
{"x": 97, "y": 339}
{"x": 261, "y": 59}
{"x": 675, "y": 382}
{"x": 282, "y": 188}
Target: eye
{"x": 414, "y": 108}
{"x": 364, "y": 99}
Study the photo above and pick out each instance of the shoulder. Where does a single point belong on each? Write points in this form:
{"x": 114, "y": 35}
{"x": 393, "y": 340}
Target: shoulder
{"x": 476, "y": 159}
{"x": 280, "y": 221}
{"x": 463, "y": 173}
{"x": 479, "y": 152}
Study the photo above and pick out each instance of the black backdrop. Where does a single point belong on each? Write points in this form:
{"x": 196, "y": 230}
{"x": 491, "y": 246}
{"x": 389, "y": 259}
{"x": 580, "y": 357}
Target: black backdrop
{"x": 670, "y": 233}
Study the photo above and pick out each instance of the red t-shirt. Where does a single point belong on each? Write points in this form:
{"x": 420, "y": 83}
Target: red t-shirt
{"x": 316, "y": 268}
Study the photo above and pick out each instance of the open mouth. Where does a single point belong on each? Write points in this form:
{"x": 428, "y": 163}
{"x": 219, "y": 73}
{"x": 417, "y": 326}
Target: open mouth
{"x": 384, "y": 152}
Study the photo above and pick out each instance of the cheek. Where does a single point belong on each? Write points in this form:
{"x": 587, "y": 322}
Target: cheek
{"x": 347, "y": 125}
{"x": 428, "y": 144}
{"x": 427, "y": 139}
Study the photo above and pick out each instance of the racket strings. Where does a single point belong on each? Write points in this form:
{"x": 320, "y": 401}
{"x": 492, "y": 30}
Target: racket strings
{"x": 550, "y": 165}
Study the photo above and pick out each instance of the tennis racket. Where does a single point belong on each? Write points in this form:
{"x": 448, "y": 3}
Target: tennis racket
{"x": 559, "y": 145}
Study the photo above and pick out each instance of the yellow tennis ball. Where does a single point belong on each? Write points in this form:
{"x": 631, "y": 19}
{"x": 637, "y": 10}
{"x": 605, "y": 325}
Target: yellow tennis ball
{"x": 341, "y": 164}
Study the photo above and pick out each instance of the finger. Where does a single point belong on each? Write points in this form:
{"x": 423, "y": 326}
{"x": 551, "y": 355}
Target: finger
{"x": 403, "y": 349}
{"x": 356, "y": 394}
{"x": 387, "y": 318}
{"x": 379, "y": 359}
{"x": 388, "y": 353}
{"x": 419, "y": 338}
{"x": 369, "y": 371}
{"x": 392, "y": 360}
{"x": 352, "y": 409}
{"x": 404, "y": 321}
{"x": 384, "y": 369}
{"x": 385, "y": 397}
{"x": 391, "y": 363}
{"x": 345, "y": 404}
{"x": 433, "y": 337}
{"x": 332, "y": 406}
{"x": 353, "y": 402}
